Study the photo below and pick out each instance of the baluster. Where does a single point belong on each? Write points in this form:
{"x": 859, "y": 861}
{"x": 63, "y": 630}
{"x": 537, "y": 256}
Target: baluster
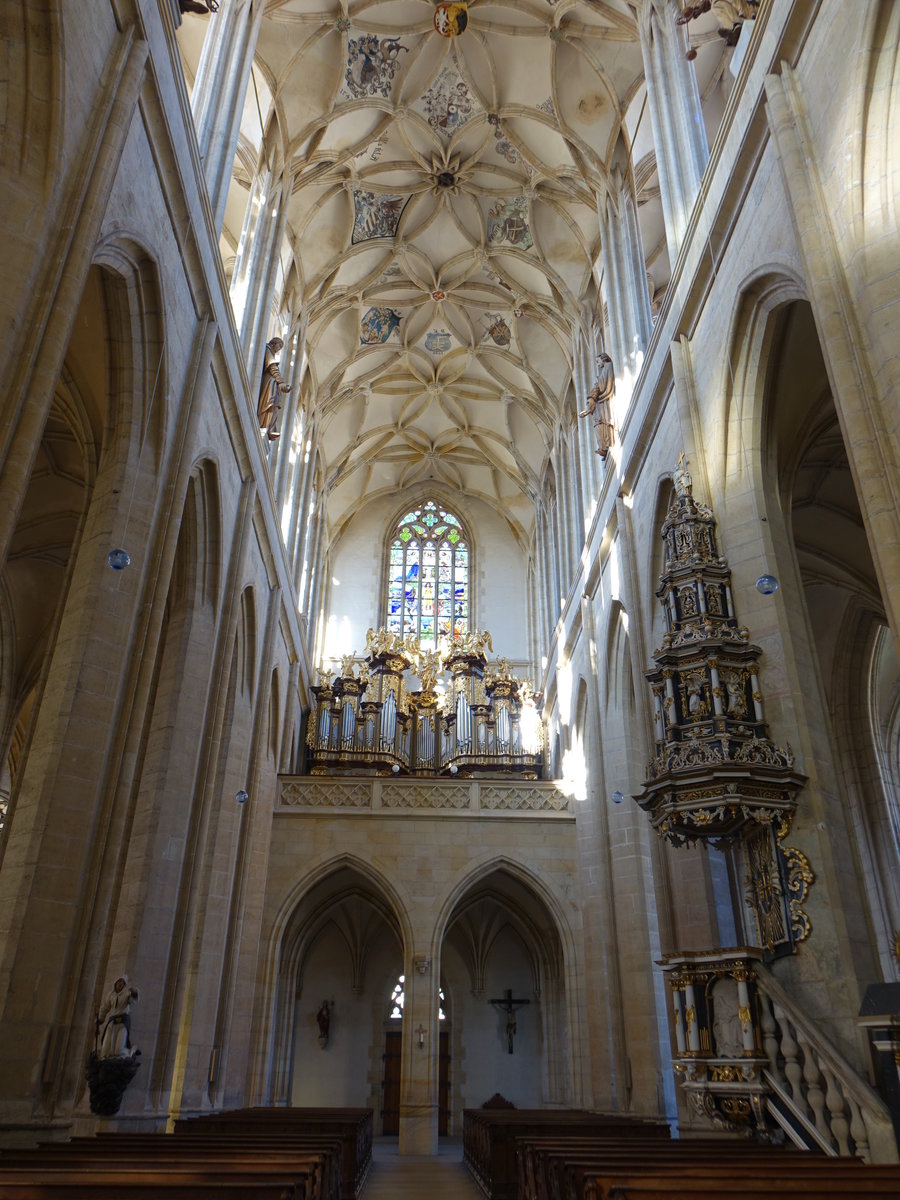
{"x": 769, "y": 1027}
{"x": 835, "y": 1102}
{"x": 812, "y": 1076}
{"x": 858, "y": 1131}
{"x": 792, "y": 1068}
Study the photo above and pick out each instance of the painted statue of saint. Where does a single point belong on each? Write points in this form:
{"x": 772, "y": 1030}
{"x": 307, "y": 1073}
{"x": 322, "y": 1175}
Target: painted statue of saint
{"x": 271, "y": 386}
{"x": 599, "y": 408}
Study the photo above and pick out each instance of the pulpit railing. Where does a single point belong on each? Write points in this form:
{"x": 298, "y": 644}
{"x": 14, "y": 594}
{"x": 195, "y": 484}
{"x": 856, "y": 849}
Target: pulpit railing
{"x": 815, "y": 1095}
{"x": 750, "y": 1060}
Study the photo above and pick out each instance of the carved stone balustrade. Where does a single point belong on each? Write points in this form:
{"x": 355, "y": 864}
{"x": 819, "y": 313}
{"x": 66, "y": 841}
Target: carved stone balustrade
{"x": 444, "y": 797}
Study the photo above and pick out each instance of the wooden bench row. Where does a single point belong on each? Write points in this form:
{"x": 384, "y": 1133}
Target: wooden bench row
{"x": 613, "y": 1168}
{"x": 352, "y": 1125}
{"x": 490, "y": 1139}
{"x": 261, "y": 1155}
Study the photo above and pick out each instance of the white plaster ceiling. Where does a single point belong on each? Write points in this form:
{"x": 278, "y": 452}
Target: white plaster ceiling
{"x": 443, "y": 226}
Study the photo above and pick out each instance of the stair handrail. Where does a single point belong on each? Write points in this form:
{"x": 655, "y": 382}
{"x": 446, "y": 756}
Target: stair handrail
{"x": 871, "y": 1108}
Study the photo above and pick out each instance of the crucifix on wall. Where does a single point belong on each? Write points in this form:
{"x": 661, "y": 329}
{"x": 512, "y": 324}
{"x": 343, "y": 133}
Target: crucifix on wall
{"x": 510, "y": 1007}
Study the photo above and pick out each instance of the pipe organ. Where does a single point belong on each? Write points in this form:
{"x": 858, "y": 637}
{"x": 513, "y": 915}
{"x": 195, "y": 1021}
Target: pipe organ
{"x": 470, "y": 715}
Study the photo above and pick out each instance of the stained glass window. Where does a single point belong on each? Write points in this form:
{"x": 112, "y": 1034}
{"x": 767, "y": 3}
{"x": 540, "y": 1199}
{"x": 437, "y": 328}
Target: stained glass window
{"x": 428, "y": 576}
{"x": 398, "y": 998}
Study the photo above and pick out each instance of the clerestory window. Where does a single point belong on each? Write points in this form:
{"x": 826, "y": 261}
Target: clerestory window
{"x": 428, "y": 576}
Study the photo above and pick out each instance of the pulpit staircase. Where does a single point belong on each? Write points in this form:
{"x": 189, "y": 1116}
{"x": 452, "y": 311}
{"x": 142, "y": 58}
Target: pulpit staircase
{"x": 812, "y": 1093}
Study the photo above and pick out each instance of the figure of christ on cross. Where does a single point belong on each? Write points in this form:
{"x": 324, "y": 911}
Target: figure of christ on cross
{"x": 510, "y": 1007}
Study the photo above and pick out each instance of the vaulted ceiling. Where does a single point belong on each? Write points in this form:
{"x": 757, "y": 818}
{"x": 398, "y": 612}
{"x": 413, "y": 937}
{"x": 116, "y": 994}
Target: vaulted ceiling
{"x": 442, "y": 234}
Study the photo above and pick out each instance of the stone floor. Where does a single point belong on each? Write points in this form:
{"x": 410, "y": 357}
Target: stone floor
{"x": 407, "y": 1178}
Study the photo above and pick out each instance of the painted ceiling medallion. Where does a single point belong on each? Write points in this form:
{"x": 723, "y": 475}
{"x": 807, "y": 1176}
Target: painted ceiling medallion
{"x": 375, "y": 216}
{"x": 371, "y": 64}
{"x": 451, "y": 19}
{"x": 438, "y": 295}
{"x": 377, "y": 326}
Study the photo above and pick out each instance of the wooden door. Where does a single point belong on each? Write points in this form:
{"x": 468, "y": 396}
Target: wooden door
{"x": 444, "y": 1083}
{"x": 390, "y": 1094}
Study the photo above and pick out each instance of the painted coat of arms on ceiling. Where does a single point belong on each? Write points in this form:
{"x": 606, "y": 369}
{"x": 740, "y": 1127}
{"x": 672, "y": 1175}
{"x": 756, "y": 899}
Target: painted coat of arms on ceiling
{"x": 375, "y": 216}
{"x": 371, "y": 63}
{"x": 498, "y": 330}
{"x": 451, "y": 18}
{"x": 438, "y": 342}
{"x": 377, "y": 325}
{"x": 502, "y": 144}
{"x": 508, "y": 223}
{"x": 448, "y": 103}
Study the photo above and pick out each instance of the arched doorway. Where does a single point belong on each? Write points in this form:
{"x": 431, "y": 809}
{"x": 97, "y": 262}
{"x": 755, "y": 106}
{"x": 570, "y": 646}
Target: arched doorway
{"x": 502, "y": 964}
{"x": 341, "y": 953}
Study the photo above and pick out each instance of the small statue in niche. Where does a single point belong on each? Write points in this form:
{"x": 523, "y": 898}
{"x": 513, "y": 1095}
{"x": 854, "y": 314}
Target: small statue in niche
{"x": 599, "y": 400}
{"x": 737, "y": 704}
{"x": 323, "y": 1020}
{"x": 694, "y": 693}
{"x": 271, "y": 386}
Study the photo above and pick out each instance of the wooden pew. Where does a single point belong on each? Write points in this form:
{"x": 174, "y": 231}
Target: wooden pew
{"x": 723, "y": 1165}
{"x": 326, "y": 1154}
{"x": 93, "y": 1183}
{"x": 352, "y": 1125}
{"x": 489, "y": 1139}
{"x": 541, "y": 1161}
{"x": 840, "y": 1181}
{"x": 314, "y": 1177}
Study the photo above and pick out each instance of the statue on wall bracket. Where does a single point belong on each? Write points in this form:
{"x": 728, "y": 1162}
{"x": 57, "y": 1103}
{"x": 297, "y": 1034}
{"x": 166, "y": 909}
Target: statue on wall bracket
{"x": 114, "y": 1061}
{"x": 599, "y": 405}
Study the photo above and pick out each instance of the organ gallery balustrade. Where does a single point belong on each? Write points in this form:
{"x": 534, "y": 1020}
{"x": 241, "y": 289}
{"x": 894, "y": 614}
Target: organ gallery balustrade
{"x": 470, "y": 715}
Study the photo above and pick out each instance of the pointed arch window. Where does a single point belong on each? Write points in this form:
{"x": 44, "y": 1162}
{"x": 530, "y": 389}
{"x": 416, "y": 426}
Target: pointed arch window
{"x": 429, "y": 576}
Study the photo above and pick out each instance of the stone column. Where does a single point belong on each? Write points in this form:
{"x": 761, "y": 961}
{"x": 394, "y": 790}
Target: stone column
{"x": 625, "y": 275}
{"x": 284, "y": 471}
{"x": 219, "y": 91}
{"x": 257, "y": 263}
{"x": 679, "y": 134}
{"x": 253, "y": 249}
{"x": 543, "y": 574}
{"x": 257, "y": 328}
{"x": 419, "y": 1068}
{"x": 564, "y": 548}
{"x": 575, "y": 466}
